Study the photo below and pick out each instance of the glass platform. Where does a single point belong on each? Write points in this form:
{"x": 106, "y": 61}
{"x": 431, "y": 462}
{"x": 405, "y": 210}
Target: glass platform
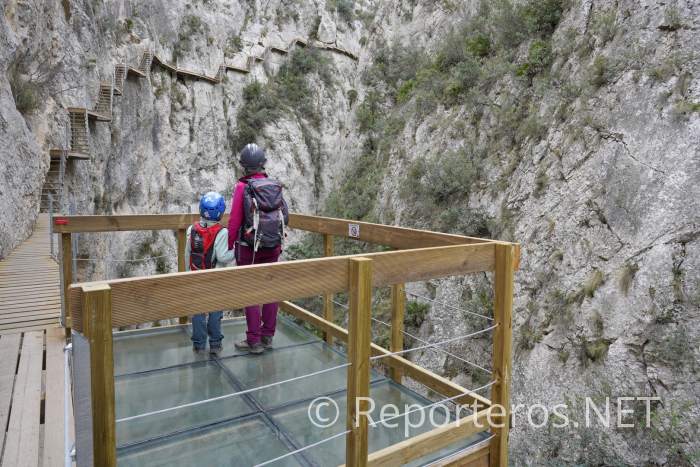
{"x": 156, "y": 369}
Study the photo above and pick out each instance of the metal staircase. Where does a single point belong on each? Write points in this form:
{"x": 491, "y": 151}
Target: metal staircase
{"x": 79, "y": 131}
{"x": 104, "y": 100}
{"x": 146, "y": 61}
{"x": 119, "y": 77}
{"x": 52, "y": 191}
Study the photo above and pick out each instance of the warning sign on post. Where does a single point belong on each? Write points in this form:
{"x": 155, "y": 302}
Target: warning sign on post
{"x": 354, "y": 230}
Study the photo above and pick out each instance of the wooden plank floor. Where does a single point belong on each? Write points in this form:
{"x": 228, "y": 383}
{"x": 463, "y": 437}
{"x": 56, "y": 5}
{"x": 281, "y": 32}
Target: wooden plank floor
{"x": 30, "y": 294}
{"x": 32, "y": 399}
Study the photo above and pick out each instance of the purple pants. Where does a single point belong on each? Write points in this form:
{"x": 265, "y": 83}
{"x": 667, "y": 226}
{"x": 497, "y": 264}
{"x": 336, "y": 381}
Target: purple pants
{"x": 259, "y": 324}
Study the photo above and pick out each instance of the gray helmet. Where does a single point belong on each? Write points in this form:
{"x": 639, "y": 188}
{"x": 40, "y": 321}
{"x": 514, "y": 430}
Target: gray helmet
{"x": 252, "y": 157}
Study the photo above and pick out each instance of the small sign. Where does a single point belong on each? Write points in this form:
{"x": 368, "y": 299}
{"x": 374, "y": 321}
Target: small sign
{"x": 354, "y": 230}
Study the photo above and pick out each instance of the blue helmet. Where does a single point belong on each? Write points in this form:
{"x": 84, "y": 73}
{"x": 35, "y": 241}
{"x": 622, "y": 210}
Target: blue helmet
{"x": 212, "y": 206}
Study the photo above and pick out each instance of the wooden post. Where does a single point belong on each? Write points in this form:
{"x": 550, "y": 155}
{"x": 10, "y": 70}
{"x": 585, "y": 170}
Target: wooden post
{"x": 328, "y": 298}
{"x": 181, "y": 238}
{"x": 359, "y": 344}
{"x": 502, "y": 341}
{"x": 97, "y": 327}
{"x": 398, "y": 309}
{"x": 67, "y": 274}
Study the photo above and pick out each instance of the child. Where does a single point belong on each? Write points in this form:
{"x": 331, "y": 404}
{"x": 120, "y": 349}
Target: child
{"x": 258, "y": 216}
{"x": 206, "y": 248}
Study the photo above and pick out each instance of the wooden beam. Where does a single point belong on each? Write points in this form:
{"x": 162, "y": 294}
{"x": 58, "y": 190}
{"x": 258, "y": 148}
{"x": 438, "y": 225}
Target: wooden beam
{"x": 502, "y": 341}
{"x": 475, "y": 458}
{"x": 67, "y": 278}
{"x": 359, "y": 340}
{"x": 396, "y": 237}
{"x": 429, "y": 379}
{"x": 181, "y": 239}
{"x": 166, "y": 296}
{"x": 9, "y": 349}
{"x": 398, "y": 308}
{"x": 413, "y": 448}
{"x": 121, "y": 223}
{"x": 96, "y": 319}
{"x": 328, "y": 312}
{"x": 23, "y": 428}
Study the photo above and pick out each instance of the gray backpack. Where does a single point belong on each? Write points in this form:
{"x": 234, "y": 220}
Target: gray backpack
{"x": 266, "y": 214}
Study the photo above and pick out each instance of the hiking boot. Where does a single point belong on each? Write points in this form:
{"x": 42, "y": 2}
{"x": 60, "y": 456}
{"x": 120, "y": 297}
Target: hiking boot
{"x": 215, "y": 351}
{"x": 199, "y": 351}
{"x": 266, "y": 342}
{"x": 256, "y": 348}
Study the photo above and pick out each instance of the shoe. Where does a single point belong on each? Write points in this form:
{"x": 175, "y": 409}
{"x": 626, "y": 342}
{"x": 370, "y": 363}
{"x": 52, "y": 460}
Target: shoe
{"x": 215, "y": 351}
{"x": 256, "y": 348}
{"x": 266, "y": 342}
{"x": 198, "y": 351}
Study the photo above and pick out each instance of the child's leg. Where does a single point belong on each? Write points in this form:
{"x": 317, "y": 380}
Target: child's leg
{"x": 253, "y": 321}
{"x": 214, "y": 329}
{"x": 199, "y": 332}
{"x": 269, "y": 319}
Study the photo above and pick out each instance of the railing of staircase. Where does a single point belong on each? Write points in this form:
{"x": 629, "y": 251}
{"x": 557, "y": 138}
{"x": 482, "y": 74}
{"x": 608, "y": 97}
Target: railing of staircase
{"x": 51, "y": 237}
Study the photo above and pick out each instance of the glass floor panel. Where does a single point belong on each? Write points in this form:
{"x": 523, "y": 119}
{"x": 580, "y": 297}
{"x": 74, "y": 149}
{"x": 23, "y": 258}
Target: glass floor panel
{"x": 252, "y": 371}
{"x": 295, "y": 420}
{"x": 247, "y": 429}
{"x": 154, "y": 348}
{"x": 236, "y": 444}
{"x": 156, "y": 390}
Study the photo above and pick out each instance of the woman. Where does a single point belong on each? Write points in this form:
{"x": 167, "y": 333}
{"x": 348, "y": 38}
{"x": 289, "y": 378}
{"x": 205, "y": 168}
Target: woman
{"x": 259, "y": 215}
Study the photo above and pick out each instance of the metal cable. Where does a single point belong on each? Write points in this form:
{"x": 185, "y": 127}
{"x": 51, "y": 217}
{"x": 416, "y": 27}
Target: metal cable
{"x": 446, "y": 352}
{"x": 137, "y": 260}
{"x": 450, "y": 306}
{"x": 422, "y": 341}
{"x": 449, "y": 399}
{"x": 447, "y": 341}
{"x": 227, "y": 396}
{"x": 312, "y": 445}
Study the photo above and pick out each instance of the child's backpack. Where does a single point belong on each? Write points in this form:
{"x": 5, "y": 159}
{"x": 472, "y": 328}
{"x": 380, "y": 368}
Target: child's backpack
{"x": 202, "y": 246}
{"x": 265, "y": 213}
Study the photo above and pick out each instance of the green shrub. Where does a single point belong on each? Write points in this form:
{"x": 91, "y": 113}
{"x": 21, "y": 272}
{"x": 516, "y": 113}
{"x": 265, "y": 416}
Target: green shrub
{"x": 672, "y": 19}
{"x": 479, "y": 45}
{"x": 626, "y": 276}
{"x": 344, "y": 8}
{"x": 352, "y": 97}
{"x": 541, "y": 181}
{"x": 542, "y": 16}
{"x": 682, "y": 109}
{"x": 288, "y": 92}
{"x": 405, "y": 91}
{"x": 234, "y": 44}
{"x": 539, "y": 58}
{"x": 25, "y": 91}
{"x": 604, "y": 25}
{"x": 594, "y": 281}
{"x": 596, "y": 350}
{"x": 600, "y": 72}
{"x": 416, "y": 313}
{"x": 529, "y": 337}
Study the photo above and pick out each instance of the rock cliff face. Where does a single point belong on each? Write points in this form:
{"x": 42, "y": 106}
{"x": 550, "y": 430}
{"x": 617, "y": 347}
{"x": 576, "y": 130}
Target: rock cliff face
{"x": 572, "y": 127}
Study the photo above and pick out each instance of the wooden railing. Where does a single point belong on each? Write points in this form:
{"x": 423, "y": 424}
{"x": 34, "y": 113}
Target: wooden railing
{"x": 95, "y": 308}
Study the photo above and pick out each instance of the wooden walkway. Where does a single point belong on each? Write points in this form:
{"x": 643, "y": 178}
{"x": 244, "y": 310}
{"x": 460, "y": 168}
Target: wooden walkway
{"x": 32, "y": 373}
{"x": 30, "y": 288}
{"x": 32, "y": 399}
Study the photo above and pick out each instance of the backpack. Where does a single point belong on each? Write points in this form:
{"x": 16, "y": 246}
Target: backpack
{"x": 202, "y": 246}
{"x": 265, "y": 212}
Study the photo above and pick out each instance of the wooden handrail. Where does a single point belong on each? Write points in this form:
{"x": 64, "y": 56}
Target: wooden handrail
{"x": 388, "y": 235}
{"x": 166, "y": 296}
